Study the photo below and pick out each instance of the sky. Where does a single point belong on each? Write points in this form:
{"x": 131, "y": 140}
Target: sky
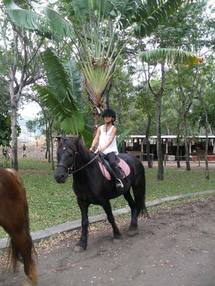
{"x": 27, "y": 112}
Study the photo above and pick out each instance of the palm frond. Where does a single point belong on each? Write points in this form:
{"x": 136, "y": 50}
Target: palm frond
{"x": 70, "y": 118}
{"x": 170, "y": 56}
{"x": 25, "y": 18}
{"x": 59, "y": 27}
{"x": 152, "y": 13}
{"x": 49, "y": 99}
{"x": 85, "y": 9}
{"x": 74, "y": 78}
{"x": 62, "y": 94}
{"x": 122, "y": 136}
{"x": 58, "y": 78}
{"x": 73, "y": 124}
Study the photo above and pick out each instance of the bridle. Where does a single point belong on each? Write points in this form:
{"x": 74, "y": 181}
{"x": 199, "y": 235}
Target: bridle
{"x": 70, "y": 171}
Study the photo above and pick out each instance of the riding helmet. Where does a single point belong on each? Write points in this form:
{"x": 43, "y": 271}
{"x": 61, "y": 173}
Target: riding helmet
{"x": 108, "y": 112}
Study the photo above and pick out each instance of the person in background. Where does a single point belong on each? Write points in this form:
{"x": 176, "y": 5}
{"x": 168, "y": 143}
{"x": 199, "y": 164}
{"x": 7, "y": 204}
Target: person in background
{"x": 24, "y": 150}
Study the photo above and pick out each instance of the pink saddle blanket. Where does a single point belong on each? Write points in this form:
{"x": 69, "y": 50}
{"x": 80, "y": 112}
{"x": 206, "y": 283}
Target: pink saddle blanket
{"x": 123, "y": 166}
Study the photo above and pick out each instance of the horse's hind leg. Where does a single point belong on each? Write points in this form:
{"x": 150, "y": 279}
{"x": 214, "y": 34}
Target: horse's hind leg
{"x": 107, "y": 208}
{"x": 134, "y": 213}
{"x": 22, "y": 243}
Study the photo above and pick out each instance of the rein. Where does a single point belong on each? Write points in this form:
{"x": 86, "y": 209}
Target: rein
{"x": 82, "y": 167}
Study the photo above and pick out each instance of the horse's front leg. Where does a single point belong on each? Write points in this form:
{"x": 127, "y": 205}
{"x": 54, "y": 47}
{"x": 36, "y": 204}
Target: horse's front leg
{"x": 110, "y": 217}
{"x": 82, "y": 244}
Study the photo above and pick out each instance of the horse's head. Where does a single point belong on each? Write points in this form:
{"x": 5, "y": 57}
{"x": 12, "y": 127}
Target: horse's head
{"x": 66, "y": 152}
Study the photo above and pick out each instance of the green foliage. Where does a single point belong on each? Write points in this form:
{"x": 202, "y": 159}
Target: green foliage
{"x": 24, "y": 18}
{"x": 151, "y": 13}
{"x": 189, "y": 34}
{"x": 83, "y": 10}
{"x": 169, "y": 56}
{"x": 65, "y": 85}
{"x": 58, "y": 26}
{"x": 62, "y": 94}
{"x": 145, "y": 101}
{"x": 5, "y": 130}
{"x": 4, "y": 97}
{"x": 74, "y": 124}
{"x": 204, "y": 103}
{"x": 96, "y": 23}
{"x": 121, "y": 138}
{"x": 36, "y": 124}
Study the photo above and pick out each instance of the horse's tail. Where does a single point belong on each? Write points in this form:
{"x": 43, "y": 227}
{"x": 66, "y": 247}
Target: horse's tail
{"x": 14, "y": 250}
{"x": 139, "y": 189}
{"x": 13, "y": 256}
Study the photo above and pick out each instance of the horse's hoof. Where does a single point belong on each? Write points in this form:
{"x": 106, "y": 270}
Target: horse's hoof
{"x": 78, "y": 248}
{"x": 132, "y": 232}
{"x": 117, "y": 240}
{"x": 28, "y": 282}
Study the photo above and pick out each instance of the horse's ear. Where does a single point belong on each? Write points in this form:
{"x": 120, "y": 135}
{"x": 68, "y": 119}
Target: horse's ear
{"x": 78, "y": 139}
{"x": 59, "y": 141}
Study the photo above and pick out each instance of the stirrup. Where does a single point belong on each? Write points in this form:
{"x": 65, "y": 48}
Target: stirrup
{"x": 119, "y": 183}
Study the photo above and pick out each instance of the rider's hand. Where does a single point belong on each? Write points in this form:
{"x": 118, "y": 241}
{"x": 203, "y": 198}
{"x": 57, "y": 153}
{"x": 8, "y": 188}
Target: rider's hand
{"x": 92, "y": 149}
{"x": 100, "y": 149}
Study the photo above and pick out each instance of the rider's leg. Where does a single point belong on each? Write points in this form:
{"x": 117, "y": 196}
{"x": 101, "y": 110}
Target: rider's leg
{"x": 112, "y": 159}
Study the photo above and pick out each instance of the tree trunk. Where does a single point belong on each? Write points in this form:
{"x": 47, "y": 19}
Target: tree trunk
{"x": 177, "y": 152}
{"x": 106, "y": 94}
{"x": 49, "y": 150}
{"x": 52, "y": 146}
{"x": 47, "y": 153}
{"x": 149, "y": 159}
{"x": 206, "y": 147}
{"x": 187, "y": 157}
{"x": 96, "y": 117}
{"x": 160, "y": 173}
{"x": 49, "y": 142}
{"x": 14, "y": 144}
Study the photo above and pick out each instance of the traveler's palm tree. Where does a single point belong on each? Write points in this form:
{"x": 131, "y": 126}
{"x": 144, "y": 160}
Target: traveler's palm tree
{"x": 94, "y": 30}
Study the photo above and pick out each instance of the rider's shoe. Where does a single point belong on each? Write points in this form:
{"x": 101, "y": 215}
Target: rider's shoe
{"x": 119, "y": 185}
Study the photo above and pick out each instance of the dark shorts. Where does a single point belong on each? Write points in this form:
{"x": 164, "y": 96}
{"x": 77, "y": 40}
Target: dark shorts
{"x": 112, "y": 159}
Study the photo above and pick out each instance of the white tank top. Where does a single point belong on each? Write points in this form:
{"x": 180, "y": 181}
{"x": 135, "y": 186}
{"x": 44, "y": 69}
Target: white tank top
{"x": 104, "y": 138}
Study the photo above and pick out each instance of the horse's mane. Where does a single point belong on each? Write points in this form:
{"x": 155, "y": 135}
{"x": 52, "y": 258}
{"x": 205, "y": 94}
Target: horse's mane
{"x": 83, "y": 150}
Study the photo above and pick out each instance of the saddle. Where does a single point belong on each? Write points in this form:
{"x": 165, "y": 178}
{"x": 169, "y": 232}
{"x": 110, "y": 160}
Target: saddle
{"x": 107, "y": 170}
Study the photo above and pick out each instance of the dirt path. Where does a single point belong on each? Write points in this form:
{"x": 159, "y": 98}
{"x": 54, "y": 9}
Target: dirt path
{"x": 174, "y": 248}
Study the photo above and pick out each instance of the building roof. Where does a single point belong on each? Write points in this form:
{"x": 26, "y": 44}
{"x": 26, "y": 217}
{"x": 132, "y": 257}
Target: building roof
{"x": 140, "y": 136}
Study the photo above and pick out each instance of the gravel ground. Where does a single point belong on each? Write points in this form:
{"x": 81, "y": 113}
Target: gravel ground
{"x": 174, "y": 248}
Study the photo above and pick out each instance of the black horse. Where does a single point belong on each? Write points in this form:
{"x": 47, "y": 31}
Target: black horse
{"x": 91, "y": 187}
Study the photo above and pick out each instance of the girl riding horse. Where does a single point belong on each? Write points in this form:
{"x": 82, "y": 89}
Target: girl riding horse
{"x": 91, "y": 187}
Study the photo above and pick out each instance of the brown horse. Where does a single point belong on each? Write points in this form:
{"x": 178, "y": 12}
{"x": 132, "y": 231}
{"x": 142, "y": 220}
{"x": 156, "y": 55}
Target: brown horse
{"x": 15, "y": 221}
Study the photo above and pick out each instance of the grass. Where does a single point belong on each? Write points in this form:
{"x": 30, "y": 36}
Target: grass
{"x": 177, "y": 181}
{"x": 51, "y": 203}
